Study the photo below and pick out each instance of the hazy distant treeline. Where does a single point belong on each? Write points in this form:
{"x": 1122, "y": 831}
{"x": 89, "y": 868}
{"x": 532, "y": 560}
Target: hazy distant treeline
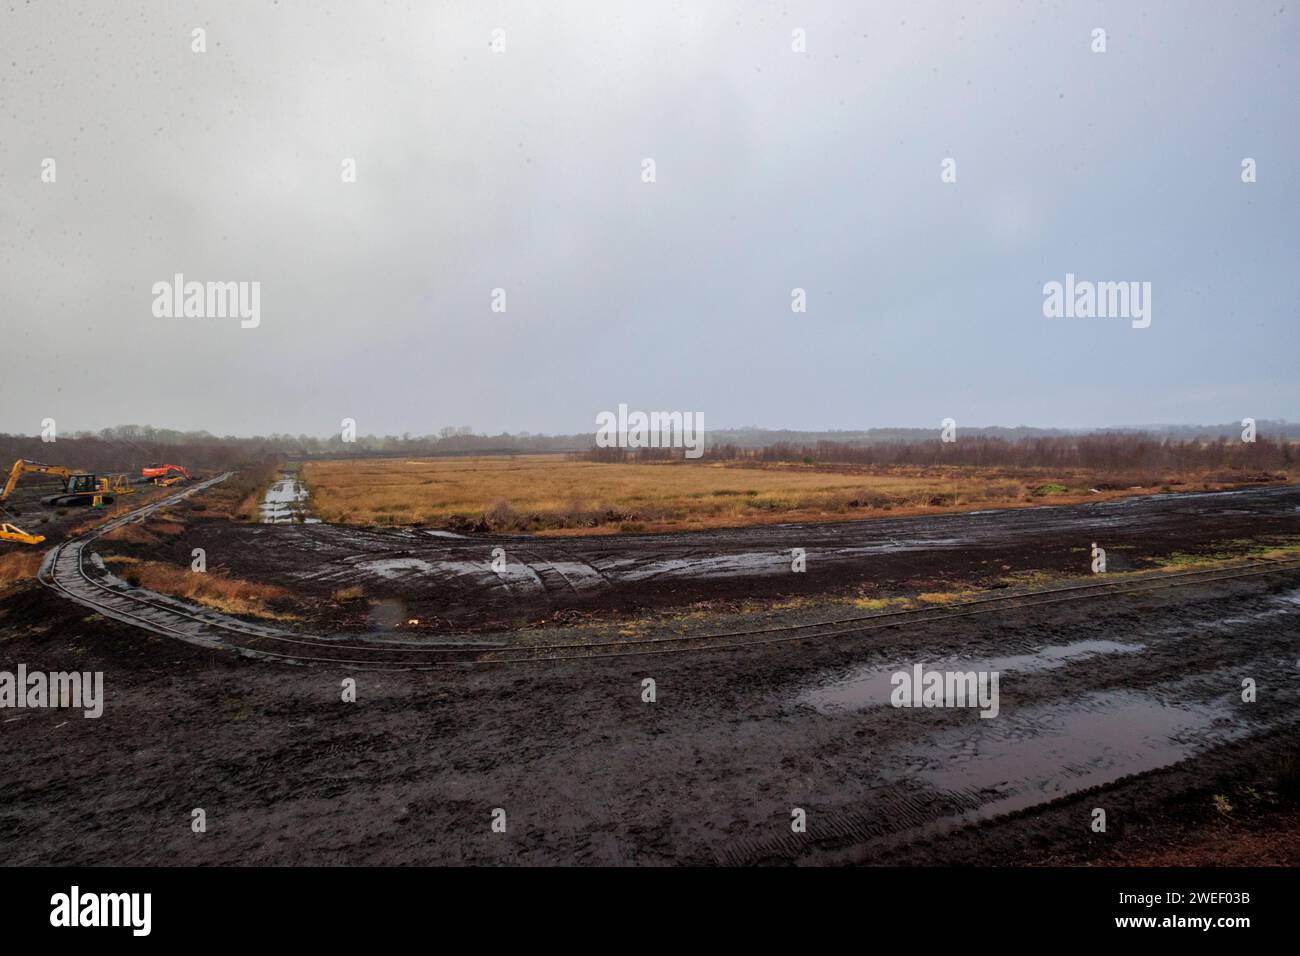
{"x": 1129, "y": 452}
{"x": 128, "y": 447}
{"x": 752, "y": 437}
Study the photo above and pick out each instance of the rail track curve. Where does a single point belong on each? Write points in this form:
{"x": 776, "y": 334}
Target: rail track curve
{"x": 64, "y": 572}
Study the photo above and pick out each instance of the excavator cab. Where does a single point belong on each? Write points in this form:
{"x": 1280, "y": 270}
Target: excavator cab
{"x": 81, "y": 489}
{"x": 81, "y": 484}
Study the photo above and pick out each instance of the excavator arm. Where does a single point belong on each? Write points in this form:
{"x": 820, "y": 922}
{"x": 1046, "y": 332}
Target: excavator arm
{"x": 162, "y": 470}
{"x": 25, "y": 467}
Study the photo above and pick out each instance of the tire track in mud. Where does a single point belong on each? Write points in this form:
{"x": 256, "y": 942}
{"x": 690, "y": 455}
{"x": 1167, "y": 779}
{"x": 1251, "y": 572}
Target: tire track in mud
{"x": 450, "y": 578}
{"x": 1086, "y": 736}
{"x": 1065, "y": 739}
{"x": 63, "y": 571}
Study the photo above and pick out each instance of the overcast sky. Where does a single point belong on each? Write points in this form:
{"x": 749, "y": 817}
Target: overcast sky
{"x": 522, "y": 170}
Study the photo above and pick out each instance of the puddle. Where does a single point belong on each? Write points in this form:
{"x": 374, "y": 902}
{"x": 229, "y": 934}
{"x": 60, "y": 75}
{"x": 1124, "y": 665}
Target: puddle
{"x": 871, "y": 686}
{"x": 1046, "y": 752}
{"x": 285, "y": 502}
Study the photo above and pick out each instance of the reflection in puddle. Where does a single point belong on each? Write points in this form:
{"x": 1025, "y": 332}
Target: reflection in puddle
{"x": 285, "y": 502}
{"x": 1045, "y": 752}
{"x": 871, "y": 686}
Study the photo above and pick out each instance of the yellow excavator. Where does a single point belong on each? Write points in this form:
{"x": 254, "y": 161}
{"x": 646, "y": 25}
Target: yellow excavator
{"x": 79, "y": 487}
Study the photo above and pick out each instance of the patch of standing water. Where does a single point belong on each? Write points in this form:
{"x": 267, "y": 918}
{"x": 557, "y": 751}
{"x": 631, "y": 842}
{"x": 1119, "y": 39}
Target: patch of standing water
{"x": 285, "y": 502}
{"x": 1064, "y": 747}
{"x": 871, "y": 686}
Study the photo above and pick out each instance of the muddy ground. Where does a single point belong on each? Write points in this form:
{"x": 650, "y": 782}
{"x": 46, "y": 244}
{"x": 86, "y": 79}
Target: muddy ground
{"x": 448, "y": 582}
{"x": 1132, "y": 704}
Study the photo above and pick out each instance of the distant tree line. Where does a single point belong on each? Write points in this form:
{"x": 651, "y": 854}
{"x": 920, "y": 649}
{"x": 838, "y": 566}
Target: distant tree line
{"x": 1103, "y": 451}
{"x": 128, "y": 447}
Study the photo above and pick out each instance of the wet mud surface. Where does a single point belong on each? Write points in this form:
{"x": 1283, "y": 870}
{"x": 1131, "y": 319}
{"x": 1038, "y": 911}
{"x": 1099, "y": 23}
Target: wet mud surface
{"x": 451, "y": 582}
{"x": 1130, "y": 703}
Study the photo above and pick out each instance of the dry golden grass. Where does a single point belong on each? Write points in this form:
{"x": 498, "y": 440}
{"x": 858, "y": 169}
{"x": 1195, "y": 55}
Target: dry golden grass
{"x": 881, "y": 604}
{"x": 551, "y": 494}
{"x": 231, "y": 595}
{"x": 947, "y": 597}
{"x": 97, "y": 516}
{"x": 17, "y": 566}
{"x": 132, "y": 533}
{"x": 1232, "y": 552}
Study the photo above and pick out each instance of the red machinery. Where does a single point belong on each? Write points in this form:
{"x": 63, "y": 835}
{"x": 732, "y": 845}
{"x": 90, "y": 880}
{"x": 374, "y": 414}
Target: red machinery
{"x": 165, "y": 473}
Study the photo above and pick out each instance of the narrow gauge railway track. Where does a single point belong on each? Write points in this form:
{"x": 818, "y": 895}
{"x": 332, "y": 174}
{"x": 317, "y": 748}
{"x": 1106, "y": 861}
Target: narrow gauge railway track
{"x": 64, "y": 572}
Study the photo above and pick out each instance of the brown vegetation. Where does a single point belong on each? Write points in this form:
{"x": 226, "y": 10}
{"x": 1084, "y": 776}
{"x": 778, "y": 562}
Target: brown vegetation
{"x": 552, "y": 494}
{"x": 18, "y": 566}
{"x": 212, "y": 589}
{"x": 132, "y": 533}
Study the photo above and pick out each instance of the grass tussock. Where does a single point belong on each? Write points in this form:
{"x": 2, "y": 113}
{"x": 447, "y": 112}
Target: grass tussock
{"x": 947, "y": 597}
{"x": 132, "y": 533}
{"x": 19, "y": 566}
{"x": 1229, "y": 552}
{"x": 881, "y": 604}
{"x": 97, "y": 516}
{"x": 211, "y": 589}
